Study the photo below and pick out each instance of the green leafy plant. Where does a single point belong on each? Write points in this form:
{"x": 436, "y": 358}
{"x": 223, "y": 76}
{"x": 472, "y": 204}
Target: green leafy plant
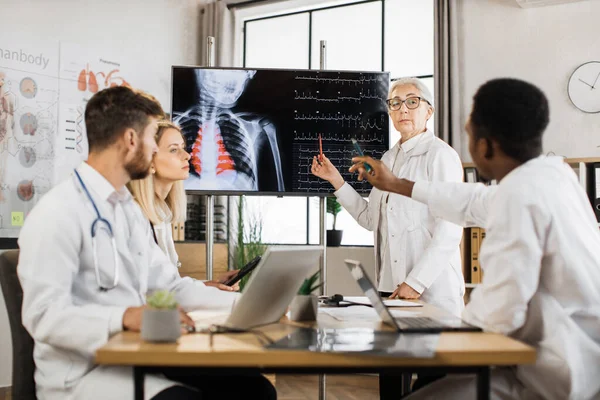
{"x": 248, "y": 241}
{"x": 162, "y": 300}
{"x": 333, "y": 208}
{"x": 310, "y": 284}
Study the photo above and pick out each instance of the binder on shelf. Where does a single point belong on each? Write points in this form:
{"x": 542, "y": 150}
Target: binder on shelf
{"x": 481, "y": 237}
{"x": 465, "y": 254}
{"x": 471, "y": 175}
{"x": 475, "y": 272}
{"x": 175, "y": 229}
{"x": 593, "y": 178}
{"x": 182, "y": 231}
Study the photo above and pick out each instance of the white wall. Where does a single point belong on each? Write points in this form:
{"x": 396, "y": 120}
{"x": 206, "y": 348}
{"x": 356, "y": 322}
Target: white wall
{"x": 159, "y": 32}
{"x": 165, "y": 31}
{"x": 542, "y": 45}
{"x": 339, "y": 279}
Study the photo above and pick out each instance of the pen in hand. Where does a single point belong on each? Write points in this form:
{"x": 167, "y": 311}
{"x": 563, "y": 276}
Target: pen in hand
{"x": 320, "y": 149}
{"x": 360, "y": 153}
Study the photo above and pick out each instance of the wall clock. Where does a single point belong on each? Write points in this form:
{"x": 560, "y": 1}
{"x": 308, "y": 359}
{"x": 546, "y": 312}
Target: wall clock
{"x": 584, "y": 87}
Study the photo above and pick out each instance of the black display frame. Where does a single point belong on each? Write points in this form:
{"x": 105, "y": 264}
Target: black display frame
{"x": 272, "y": 193}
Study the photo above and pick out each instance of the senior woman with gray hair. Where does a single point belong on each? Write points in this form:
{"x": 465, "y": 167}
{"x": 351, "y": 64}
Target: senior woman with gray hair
{"x": 417, "y": 255}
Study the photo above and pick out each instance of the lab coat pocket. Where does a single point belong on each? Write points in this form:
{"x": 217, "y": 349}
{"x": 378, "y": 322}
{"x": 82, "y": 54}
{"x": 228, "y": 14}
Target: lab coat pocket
{"x": 414, "y": 213}
{"x": 400, "y": 213}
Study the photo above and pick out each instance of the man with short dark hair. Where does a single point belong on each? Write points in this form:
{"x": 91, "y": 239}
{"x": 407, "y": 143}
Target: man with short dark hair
{"x": 88, "y": 260}
{"x": 540, "y": 258}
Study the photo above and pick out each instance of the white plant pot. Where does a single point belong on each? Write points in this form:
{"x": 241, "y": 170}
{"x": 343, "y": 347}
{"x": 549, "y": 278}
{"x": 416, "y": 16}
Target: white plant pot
{"x": 160, "y": 325}
{"x": 304, "y": 308}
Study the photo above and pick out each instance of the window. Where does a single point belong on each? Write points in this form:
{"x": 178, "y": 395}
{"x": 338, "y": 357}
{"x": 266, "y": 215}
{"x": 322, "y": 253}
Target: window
{"x": 373, "y": 35}
{"x": 353, "y": 35}
{"x": 285, "y": 49}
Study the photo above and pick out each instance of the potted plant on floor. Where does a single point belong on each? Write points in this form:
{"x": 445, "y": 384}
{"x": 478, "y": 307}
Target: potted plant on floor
{"x": 334, "y": 237}
{"x": 305, "y": 304}
{"x": 160, "y": 320}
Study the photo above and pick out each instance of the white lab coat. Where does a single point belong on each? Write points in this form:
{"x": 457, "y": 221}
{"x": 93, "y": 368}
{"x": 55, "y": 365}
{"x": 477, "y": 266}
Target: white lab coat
{"x": 541, "y": 264}
{"x": 67, "y": 315}
{"x": 424, "y": 250}
{"x": 164, "y": 237}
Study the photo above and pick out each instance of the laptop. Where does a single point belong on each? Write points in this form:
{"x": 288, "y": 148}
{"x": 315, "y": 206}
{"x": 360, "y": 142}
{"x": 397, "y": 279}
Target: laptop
{"x": 404, "y": 324}
{"x": 273, "y": 285}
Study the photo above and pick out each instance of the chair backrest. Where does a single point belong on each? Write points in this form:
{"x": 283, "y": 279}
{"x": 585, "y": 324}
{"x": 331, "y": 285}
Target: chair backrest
{"x": 23, "y": 383}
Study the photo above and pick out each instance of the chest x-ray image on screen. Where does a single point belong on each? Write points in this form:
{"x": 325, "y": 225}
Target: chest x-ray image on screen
{"x": 256, "y": 131}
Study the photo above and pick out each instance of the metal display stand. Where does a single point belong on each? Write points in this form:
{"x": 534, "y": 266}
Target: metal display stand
{"x": 323, "y": 200}
{"x": 210, "y": 199}
{"x": 210, "y": 55}
{"x": 323, "y": 228}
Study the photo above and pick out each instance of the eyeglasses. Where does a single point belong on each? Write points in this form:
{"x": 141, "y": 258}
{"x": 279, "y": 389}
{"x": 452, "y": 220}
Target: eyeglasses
{"x": 411, "y": 103}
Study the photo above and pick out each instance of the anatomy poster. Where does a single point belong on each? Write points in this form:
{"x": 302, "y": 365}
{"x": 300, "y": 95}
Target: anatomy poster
{"x": 42, "y": 107}
{"x": 28, "y": 123}
{"x": 83, "y": 72}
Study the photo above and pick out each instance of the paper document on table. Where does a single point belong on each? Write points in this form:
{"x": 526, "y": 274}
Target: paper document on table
{"x": 205, "y": 318}
{"x": 362, "y": 313}
{"x": 387, "y": 302}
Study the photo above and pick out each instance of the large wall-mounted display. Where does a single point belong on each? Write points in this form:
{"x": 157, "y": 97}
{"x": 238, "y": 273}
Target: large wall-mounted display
{"x": 256, "y": 131}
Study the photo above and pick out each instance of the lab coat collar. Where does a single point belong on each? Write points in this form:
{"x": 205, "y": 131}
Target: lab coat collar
{"x": 534, "y": 161}
{"x": 105, "y": 190}
{"x": 417, "y": 145}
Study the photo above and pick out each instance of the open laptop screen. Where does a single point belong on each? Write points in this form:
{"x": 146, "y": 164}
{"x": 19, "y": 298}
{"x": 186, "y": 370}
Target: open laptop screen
{"x": 358, "y": 273}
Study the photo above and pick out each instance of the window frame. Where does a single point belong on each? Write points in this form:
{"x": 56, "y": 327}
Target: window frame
{"x": 246, "y": 17}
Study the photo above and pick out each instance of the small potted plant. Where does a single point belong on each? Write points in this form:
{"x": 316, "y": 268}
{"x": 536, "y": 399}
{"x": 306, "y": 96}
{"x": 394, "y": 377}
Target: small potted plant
{"x": 160, "y": 321}
{"x": 334, "y": 237}
{"x": 305, "y": 303}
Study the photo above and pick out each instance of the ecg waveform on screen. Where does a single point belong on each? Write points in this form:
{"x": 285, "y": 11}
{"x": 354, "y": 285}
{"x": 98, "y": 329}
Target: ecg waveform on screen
{"x": 337, "y": 97}
{"x": 340, "y": 137}
{"x": 335, "y": 107}
{"x": 345, "y": 120}
{"x": 339, "y": 155}
{"x": 342, "y": 81}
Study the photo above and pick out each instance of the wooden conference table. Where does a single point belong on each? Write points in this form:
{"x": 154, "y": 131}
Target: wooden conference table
{"x": 456, "y": 352}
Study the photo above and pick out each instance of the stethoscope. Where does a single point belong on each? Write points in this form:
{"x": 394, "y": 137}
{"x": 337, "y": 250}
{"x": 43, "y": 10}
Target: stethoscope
{"x": 98, "y": 223}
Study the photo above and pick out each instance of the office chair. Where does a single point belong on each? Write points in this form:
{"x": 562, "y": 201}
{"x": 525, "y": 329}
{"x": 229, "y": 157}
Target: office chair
{"x": 23, "y": 383}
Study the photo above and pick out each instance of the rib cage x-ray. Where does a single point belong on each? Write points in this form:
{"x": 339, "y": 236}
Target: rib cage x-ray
{"x": 257, "y": 130}
{"x": 225, "y": 146}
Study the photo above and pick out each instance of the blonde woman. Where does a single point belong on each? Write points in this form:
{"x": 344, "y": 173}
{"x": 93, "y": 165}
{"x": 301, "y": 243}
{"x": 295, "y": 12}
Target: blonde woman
{"x": 161, "y": 195}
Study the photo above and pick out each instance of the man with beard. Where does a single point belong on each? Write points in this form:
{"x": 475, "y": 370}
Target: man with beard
{"x": 88, "y": 260}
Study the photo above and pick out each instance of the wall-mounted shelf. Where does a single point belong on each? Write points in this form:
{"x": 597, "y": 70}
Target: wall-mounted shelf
{"x": 541, "y": 3}
{"x": 570, "y": 161}
{"x": 586, "y": 160}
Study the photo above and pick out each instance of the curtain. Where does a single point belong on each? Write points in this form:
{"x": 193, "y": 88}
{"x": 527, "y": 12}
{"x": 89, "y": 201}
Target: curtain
{"x": 217, "y": 21}
{"x": 448, "y": 122}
